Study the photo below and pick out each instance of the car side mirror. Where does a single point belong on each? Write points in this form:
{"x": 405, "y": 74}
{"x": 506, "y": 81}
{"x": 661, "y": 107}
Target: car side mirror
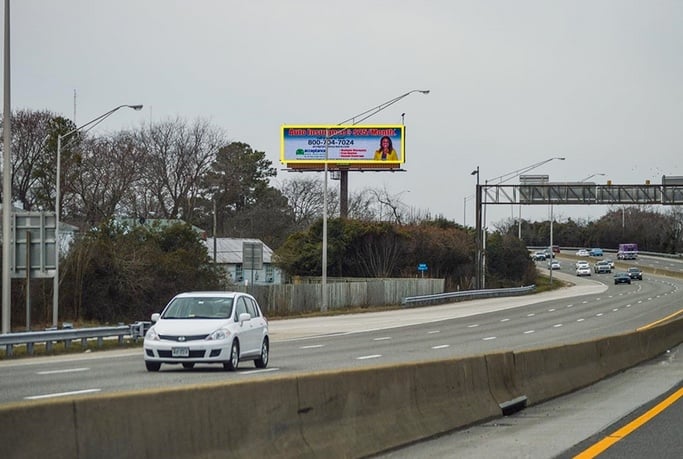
{"x": 155, "y": 317}
{"x": 244, "y": 317}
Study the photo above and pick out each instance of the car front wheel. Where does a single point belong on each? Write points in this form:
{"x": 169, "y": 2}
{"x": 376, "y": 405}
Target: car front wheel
{"x": 234, "y": 357}
{"x": 262, "y": 361}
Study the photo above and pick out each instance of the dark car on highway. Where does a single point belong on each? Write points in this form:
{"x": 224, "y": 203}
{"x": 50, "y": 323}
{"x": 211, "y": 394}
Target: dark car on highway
{"x": 635, "y": 273}
{"x": 622, "y": 278}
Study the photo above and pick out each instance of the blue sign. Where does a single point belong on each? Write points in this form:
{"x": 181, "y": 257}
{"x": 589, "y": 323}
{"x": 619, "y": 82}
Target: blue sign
{"x": 422, "y": 267}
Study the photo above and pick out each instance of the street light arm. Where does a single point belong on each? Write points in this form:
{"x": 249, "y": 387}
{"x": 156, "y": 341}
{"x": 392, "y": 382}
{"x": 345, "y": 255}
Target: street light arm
{"x": 592, "y": 175}
{"x": 510, "y": 175}
{"x": 94, "y": 122}
{"x": 373, "y": 111}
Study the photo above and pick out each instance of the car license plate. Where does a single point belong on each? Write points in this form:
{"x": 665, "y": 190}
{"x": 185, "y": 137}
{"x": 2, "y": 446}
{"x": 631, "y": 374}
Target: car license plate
{"x": 180, "y": 352}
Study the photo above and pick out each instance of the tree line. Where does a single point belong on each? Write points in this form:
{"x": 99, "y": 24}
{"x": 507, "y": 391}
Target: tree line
{"x": 190, "y": 171}
{"x": 653, "y": 229}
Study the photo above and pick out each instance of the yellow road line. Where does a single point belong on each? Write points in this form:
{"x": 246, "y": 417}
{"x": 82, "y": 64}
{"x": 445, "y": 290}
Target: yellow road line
{"x": 669, "y": 317}
{"x": 608, "y": 441}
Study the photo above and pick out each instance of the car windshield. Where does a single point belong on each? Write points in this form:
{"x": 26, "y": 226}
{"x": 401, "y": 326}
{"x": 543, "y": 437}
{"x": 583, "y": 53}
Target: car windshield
{"x": 199, "y": 308}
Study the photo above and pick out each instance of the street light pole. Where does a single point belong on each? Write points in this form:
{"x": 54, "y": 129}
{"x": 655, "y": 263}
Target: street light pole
{"x": 363, "y": 116}
{"x": 477, "y": 210}
{"x": 323, "y": 280}
{"x": 6, "y": 183}
{"x": 90, "y": 124}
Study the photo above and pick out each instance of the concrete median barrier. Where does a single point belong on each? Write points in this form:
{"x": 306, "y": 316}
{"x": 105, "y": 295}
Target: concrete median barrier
{"x": 38, "y": 429}
{"x": 543, "y": 374}
{"x": 503, "y": 382}
{"x": 370, "y": 410}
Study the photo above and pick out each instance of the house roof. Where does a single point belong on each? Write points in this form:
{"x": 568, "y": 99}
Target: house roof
{"x": 229, "y": 250}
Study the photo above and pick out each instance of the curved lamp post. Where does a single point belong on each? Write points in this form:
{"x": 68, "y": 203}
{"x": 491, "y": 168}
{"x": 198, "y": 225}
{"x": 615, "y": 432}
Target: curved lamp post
{"x": 90, "y": 124}
{"x": 480, "y": 269}
{"x": 363, "y": 116}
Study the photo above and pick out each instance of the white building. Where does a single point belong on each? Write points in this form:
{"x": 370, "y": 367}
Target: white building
{"x": 236, "y": 255}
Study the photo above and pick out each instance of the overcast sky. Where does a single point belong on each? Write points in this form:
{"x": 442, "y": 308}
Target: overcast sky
{"x": 512, "y": 83}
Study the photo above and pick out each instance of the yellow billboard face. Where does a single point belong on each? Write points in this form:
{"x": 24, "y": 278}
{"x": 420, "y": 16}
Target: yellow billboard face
{"x": 353, "y": 146}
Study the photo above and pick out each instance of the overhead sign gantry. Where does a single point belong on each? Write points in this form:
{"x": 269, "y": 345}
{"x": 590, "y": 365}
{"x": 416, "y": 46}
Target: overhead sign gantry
{"x": 537, "y": 190}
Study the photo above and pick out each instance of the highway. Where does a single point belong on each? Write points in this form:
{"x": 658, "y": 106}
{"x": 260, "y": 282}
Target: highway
{"x": 593, "y": 307}
{"x": 333, "y": 343}
{"x": 646, "y": 261}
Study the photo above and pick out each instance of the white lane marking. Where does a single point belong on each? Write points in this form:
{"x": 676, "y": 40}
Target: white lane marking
{"x": 62, "y": 394}
{"x": 441, "y": 346}
{"x": 628, "y": 305}
{"x": 557, "y": 325}
{"x": 312, "y": 346}
{"x": 504, "y": 320}
{"x": 585, "y": 302}
{"x": 383, "y": 338}
{"x": 488, "y": 338}
{"x": 366, "y": 357}
{"x": 473, "y": 326}
{"x": 251, "y": 372}
{"x": 551, "y": 310}
{"x": 431, "y": 332}
{"x": 529, "y": 332}
{"x": 580, "y": 320}
{"x": 530, "y": 314}
{"x": 615, "y": 309}
{"x": 598, "y": 314}
{"x": 55, "y": 372}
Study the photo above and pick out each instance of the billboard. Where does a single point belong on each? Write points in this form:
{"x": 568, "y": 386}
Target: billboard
{"x": 341, "y": 145}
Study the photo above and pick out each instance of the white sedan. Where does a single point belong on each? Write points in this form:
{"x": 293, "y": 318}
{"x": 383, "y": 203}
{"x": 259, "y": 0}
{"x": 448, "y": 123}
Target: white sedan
{"x": 208, "y": 327}
{"x": 553, "y": 264}
{"x": 583, "y": 270}
{"x": 583, "y": 253}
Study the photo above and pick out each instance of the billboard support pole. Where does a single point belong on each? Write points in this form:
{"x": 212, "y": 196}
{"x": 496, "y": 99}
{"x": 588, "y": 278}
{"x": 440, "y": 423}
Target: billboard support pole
{"x": 344, "y": 193}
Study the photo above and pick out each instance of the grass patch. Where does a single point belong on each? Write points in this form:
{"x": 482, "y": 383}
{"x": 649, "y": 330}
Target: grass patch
{"x": 543, "y": 283}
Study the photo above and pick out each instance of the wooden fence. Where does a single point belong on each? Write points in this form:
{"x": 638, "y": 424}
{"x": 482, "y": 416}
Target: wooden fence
{"x": 299, "y": 298}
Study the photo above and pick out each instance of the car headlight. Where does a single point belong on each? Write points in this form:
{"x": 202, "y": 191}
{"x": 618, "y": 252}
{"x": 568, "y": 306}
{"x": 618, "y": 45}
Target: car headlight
{"x": 221, "y": 333}
{"x": 152, "y": 334}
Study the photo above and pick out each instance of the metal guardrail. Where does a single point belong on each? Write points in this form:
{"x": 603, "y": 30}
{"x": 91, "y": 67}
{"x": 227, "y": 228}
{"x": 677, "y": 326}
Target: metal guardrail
{"x": 466, "y": 295}
{"x": 68, "y": 335}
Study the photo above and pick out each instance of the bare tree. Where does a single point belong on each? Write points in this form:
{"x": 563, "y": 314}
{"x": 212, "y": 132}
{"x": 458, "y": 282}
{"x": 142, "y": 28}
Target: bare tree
{"x": 30, "y": 130}
{"x": 305, "y": 197}
{"x": 175, "y": 156}
{"x": 675, "y": 229}
{"x": 362, "y": 206}
{"x": 389, "y": 207}
{"x": 105, "y": 173}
